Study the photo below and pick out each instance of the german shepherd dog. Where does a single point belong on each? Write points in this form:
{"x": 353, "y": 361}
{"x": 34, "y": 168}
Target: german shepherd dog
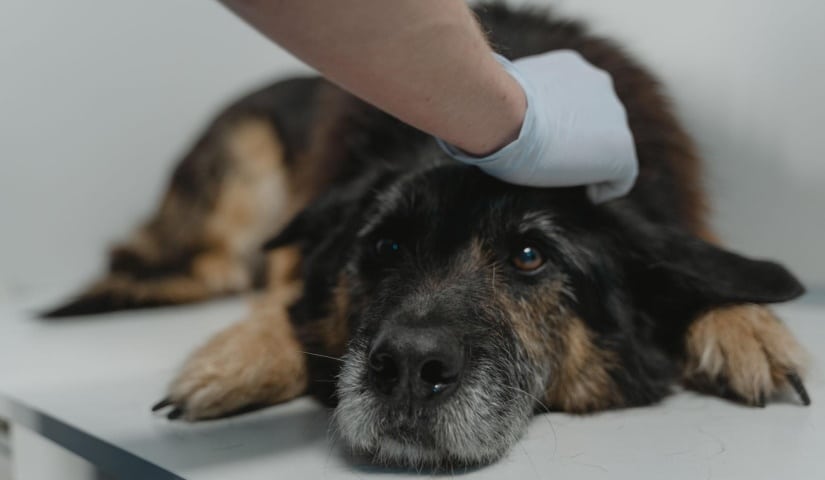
{"x": 438, "y": 308}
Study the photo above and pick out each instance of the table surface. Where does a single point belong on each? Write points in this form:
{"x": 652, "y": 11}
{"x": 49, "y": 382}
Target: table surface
{"x": 88, "y": 384}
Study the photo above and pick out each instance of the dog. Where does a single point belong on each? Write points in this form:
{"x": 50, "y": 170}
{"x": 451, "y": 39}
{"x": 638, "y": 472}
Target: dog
{"x": 439, "y": 308}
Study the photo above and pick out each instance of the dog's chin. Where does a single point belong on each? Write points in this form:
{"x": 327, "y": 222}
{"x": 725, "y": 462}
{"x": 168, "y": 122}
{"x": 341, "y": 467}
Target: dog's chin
{"x": 477, "y": 425}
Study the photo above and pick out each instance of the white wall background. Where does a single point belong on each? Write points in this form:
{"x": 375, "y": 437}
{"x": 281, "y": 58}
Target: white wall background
{"x": 98, "y": 97}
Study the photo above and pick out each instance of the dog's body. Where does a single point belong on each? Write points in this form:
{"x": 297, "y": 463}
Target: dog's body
{"x": 439, "y": 307}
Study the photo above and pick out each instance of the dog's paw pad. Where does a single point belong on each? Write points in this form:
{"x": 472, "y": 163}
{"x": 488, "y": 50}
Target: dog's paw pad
{"x": 744, "y": 353}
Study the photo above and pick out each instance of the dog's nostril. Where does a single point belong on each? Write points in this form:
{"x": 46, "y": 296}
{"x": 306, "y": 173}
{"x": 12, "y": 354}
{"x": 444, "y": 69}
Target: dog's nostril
{"x": 384, "y": 371}
{"x": 383, "y": 363}
{"x": 437, "y": 374}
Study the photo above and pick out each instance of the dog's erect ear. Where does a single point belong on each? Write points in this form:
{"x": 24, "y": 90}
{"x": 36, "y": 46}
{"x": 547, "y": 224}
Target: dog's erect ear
{"x": 682, "y": 269}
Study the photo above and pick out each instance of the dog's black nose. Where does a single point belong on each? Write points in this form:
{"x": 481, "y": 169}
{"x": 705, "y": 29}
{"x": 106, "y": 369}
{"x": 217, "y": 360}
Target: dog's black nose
{"x": 423, "y": 364}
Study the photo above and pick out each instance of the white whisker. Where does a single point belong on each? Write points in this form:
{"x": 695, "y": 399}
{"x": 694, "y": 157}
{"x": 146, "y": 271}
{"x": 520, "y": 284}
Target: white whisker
{"x": 337, "y": 359}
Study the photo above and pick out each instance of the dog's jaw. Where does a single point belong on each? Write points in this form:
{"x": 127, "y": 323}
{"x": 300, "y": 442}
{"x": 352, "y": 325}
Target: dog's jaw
{"x": 477, "y": 426}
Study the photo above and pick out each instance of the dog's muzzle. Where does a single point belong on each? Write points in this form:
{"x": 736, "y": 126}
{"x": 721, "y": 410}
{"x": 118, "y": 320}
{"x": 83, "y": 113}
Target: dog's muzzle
{"x": 433, "y": 387}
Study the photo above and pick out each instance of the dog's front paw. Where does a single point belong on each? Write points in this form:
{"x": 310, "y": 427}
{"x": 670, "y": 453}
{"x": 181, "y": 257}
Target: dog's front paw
{"x": 251, "y": 364}
{"x": 743, "y": 352}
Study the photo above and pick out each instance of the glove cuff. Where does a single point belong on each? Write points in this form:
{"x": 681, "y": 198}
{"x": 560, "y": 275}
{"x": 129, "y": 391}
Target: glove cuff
{"x": 502, "y": 159}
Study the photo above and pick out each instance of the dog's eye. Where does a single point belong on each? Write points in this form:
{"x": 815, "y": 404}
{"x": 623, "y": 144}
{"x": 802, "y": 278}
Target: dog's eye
{"x": 528, "y": 259}
{"x": 386, "y": 247}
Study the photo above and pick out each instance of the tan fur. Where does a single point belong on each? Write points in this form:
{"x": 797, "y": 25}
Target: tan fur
{"x": 285, "y": 283}
{"x": 337, "y": 333}
{"x": 255, "y": 362}
{"x": 579, "y": 376}
{"x": 332, "y": 332}
{"x": 531, "y": 323}
{"x": 745, "y": 346}
{"x": 173, "y": 289}
{"x": 258, "y": 361}
{"x": 252, "y": 204}
{"x": 142, "y": 243}
{"x": 219, "y": 272}
{"x": 254, "y": 195}
{"x": 581, "y": 382}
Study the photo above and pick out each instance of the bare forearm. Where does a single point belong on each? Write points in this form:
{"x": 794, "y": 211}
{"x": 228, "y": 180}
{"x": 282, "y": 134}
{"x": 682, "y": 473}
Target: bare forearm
{"x": 423, "y": 61}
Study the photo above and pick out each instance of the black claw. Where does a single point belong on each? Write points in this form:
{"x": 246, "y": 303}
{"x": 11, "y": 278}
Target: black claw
{"x": 761, "y": 402}
{"x": 175, "y": 414}
{"x": 161, "y": 404}
{"x": 797, "y": 385}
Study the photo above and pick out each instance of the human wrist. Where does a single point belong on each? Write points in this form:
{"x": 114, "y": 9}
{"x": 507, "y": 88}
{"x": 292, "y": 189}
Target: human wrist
{"x": 502, "y": 122}
{"x": 491, "y": 146}
{"x": 575, "y": 130}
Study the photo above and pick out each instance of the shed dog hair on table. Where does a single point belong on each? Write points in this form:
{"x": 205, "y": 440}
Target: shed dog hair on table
{"x": 437, "y": 307}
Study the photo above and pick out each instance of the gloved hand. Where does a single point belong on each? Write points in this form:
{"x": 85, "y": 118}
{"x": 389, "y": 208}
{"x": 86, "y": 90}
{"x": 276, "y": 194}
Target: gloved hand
{"x": 574, "y": 132}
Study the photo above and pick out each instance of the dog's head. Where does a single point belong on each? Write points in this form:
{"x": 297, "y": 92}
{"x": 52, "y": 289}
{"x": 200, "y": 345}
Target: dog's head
{"x": 469, "y": 303}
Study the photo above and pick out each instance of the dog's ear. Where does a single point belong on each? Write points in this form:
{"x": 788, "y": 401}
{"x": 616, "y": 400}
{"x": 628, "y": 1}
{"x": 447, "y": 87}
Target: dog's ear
{"x": 313, "y": 223}
{"x": 680, "y": 268}
{"x": 337, "y": 213}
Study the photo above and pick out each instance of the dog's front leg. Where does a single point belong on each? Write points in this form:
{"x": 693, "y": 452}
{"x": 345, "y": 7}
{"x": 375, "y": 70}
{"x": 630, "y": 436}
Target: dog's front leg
{"x": 253, "y": 363}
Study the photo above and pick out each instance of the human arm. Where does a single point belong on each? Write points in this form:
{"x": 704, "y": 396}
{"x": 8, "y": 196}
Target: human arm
{"x": 425, "y": 62}
{"x": 549, "y": 120}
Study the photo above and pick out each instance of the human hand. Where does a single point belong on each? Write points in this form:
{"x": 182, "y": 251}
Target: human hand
{"x": 575, "y": 130}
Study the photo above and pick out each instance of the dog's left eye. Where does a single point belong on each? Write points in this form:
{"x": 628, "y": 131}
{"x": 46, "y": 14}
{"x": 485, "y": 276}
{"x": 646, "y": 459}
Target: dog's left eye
{"x": 386, "y": 247}
{"x": 528, "y": 259}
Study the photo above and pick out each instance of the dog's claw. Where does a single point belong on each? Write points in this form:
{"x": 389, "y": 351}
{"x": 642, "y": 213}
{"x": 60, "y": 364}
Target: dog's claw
{"x": 161, "y": 404}
{"x": 761, "y": 401}
{"x": 799, "y": 387}
{"x": 175, "y": 414}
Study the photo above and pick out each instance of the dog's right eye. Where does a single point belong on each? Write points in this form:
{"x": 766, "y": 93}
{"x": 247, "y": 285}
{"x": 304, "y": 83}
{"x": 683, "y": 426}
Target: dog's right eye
{"x": 387, "y": 247}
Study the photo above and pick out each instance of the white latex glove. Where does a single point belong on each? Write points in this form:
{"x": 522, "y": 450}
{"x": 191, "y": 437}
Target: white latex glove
{"x": 574, "y": 132}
